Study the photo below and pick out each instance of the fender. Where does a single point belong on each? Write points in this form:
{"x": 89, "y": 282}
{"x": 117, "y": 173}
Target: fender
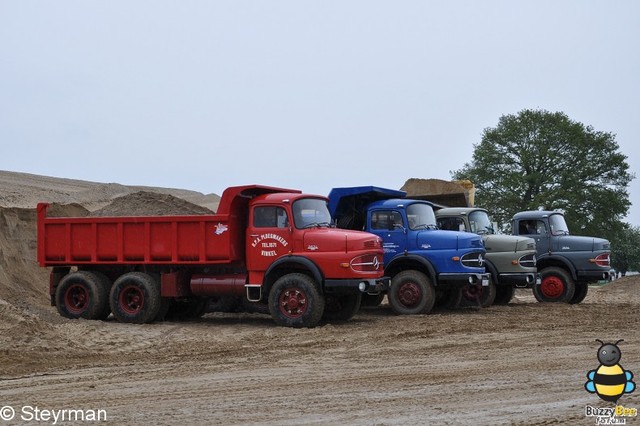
{"x": 556, "y": 260}
{"x": 489, "y": 267}
{"x": 412, "y": 258}
{"x": 305, "y": 262}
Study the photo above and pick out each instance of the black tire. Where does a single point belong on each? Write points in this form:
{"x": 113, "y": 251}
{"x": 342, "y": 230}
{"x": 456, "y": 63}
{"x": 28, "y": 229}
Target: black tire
{"x": 81, "y": 295}
{"x": 371, "y": 300}
{"x": 504, "y": 294}
{"x": 411, "y": 293}
{"x": 556, "y": 286}
{"x": 135, "y": 298}
{"x": 294, "y": 301}
{"x": 187, "y": 309}
{"x": 478, "y": 296}
{"x": 165, "y": 302}
{"x": 342, "y": 307}
{"x": 105, "y": 283}
{"x": 582, "y": 289}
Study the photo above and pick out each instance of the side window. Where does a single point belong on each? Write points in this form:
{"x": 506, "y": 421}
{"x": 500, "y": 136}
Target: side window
{"x": 451, "y": 224}
{"x": 386, "y": 220}
{"x": 270, "y": 217}
{"x": 532, "y": 227}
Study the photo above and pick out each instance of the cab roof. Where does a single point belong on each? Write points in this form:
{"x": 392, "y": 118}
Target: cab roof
{"x": 457, "y": 211}
{"x": 535, "y": 214}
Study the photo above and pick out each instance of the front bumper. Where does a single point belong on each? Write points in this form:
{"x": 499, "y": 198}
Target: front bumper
{"x": 520, "y": 280}
{"x": 460, "y": 280}
{"x": 596, "y": 275}
{"x": 369, "y": 286}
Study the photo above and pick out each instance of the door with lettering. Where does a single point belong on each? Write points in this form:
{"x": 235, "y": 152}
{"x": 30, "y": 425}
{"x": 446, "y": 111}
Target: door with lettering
{"x": 268, "y": 237}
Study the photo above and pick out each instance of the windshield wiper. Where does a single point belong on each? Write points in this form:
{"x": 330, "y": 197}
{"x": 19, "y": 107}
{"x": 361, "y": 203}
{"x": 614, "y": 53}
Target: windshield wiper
{"x": 317, "y": 224}
{"x": 426, "y": 226}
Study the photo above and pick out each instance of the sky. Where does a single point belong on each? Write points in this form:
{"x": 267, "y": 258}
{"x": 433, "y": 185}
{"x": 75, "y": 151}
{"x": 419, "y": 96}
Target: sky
{"x": 311, "y": 95}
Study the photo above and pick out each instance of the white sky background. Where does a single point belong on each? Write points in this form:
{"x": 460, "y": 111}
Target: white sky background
{"x": 205, "y": 94}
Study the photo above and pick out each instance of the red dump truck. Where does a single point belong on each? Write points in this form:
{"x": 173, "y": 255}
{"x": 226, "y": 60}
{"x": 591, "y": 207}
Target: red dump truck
{"x": 272, "y": 246}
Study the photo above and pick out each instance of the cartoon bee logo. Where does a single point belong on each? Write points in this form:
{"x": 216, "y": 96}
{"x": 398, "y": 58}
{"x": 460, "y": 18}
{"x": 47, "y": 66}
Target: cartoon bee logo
{"x": 609, "y": 380}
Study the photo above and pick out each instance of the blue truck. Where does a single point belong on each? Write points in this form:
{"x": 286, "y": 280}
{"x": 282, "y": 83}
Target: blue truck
{"x": 426, "y": 265}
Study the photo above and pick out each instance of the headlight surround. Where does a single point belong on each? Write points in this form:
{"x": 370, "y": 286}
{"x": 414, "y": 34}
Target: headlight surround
{"x": 366, "y": 263}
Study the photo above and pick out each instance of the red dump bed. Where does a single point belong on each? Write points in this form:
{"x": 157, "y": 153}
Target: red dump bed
{"x": 147, "y": 240}
{"x": 180, "y": 240}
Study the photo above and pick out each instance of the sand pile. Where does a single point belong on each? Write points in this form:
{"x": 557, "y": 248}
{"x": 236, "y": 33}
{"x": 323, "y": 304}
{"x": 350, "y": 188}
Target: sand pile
{"x": 26, "y": 191}
{"x": 150, "y": 204}
{"x": 27, "y": 320}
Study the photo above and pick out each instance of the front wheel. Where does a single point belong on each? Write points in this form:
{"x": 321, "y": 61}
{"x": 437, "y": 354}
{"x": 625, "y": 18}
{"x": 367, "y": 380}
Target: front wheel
{"x": 478, "y": 295}
{"x": 556, "y": 285}
{"x": 411, "y": 293}
{"x": 504, "y": 294}
{"x": 294, "y": 301}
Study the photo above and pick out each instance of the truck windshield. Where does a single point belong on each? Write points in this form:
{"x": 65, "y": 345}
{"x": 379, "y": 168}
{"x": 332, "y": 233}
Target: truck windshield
{"x": 421, "y": 216}
{"x": 480, "y": 223}
{"x": 558, "y": 225}
{"x": 311, "y": 212}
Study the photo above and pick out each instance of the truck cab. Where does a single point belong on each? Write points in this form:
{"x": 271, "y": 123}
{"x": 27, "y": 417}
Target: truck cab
{"x": 511, "y": 260}
{"x": 566, "y": 263}
{"x": 425, "y": 264}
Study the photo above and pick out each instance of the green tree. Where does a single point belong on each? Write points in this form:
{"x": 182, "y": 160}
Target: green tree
{"x": 625, "y": 253}
{"x": 542, "y": 160}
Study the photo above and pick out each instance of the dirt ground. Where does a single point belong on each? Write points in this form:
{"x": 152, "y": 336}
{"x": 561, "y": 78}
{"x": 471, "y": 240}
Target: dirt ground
{"x": 524, "y": 363}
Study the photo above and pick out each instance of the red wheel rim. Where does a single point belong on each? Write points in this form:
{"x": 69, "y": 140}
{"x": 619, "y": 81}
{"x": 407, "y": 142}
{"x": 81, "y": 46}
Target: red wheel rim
{"x": 552, "y": 287}
{"x": 131, "y": 299}
{"x": 472, "y": 292}
{"x": 409, "y": 294}
{"x": 76, "y": 299}
{"x": 293, "y": 302}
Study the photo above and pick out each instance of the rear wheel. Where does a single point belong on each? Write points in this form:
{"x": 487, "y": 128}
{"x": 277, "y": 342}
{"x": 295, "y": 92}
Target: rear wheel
{"x": 106, "y": 284}
{"x": 581, "y": 292}
{"x": 81, "y": 295}
{"x": 556, "y": 285}
{"x": 135, "y": 298}
{"x": 294, "y": 301}
{"x": 504, "y": 294}
{"x": 341, "y": 307}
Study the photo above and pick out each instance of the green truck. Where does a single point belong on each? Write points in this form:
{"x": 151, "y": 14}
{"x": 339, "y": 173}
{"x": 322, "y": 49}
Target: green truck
{"x": 511, "y": 260}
